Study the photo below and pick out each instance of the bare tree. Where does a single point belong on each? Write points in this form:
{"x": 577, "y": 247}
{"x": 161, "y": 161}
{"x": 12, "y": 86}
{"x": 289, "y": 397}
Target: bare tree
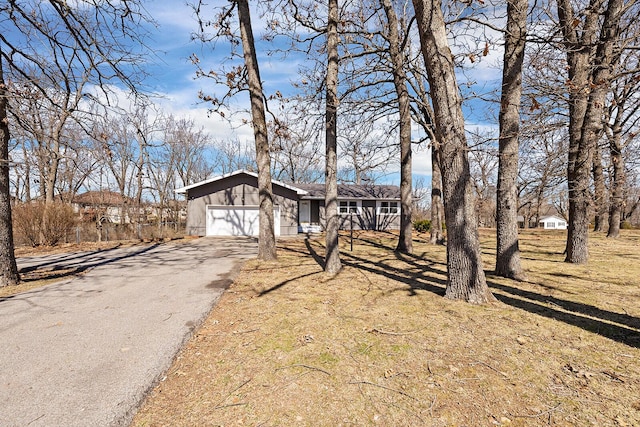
{"x": 321, "y": 33}
{"x": 96, "y": 39}
{"x": 244, "y": 75}
{"x": 116, "y": 144}
{"x": 373, "y": 84}
{"x": 622, "y": 119}
{"x": 599, "y": 190}
{"x": 483, "y": 163}
{"x": 190, "y": 147}
{"x": 49, "y": 117}
{"x": 8, "y": 267}
{"x": 366, "y": 151}
{"x": 436, "y": 233}
{"x": 465, "y": 274}
{"x": 507, "y": 247}
{"x": 231, "y": 154}
{"x": 78, "y": 163}
{"x": 267, "y": 240}
{"x": 542, "y": 172}
{"x": 589, "y": 38}
{"x": 297, "y": 147}
{"x": 176, "y": 158}
{"x": 332, "y": 257}
{"x": 398, "y": 60}
{"x": 422, "y": 114}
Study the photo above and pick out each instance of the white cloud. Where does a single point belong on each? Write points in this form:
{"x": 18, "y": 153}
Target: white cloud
{"x": 174, "y": 79}
{"x": 421, "y": 161}
{"x": 172, "y": 15}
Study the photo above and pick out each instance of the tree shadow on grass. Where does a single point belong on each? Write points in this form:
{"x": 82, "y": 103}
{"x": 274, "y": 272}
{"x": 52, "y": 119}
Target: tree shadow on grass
{"x": 284, "y": 283}
{"x": 316, "y": 257}
{"x": 422, "y": 274}
{"x": 619, "y": 327}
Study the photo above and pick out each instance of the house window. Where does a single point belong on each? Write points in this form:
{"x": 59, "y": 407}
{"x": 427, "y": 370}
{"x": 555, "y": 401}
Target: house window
{"x": 551, "y": 225}
{"x": 388, "y": 208}
{"x": 348, "y": 206}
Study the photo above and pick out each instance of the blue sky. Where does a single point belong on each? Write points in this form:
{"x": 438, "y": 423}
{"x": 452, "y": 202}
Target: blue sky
{"x": 172, "y": 75}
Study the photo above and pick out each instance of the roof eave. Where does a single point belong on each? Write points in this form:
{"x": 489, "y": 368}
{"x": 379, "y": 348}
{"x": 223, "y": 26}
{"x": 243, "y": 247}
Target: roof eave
{"x": 185, "y": 189}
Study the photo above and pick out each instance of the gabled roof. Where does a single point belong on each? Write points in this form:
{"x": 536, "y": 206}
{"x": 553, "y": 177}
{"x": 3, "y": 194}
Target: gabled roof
{"x": 103, "y": 197}
{"x": 183, "y": 190}
{"x": 353, "y": 191}
{"x": 316, "y": 191}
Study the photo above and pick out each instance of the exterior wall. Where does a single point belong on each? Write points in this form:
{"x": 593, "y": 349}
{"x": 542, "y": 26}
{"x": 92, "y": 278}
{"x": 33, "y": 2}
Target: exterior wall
{"x": 367, "y": 219}
{"x": 386, "y": 222}
{"x": 238, "y": 190}
{"x": 288, "y": 215}
{"x": 241, "y": 190}
{"x": 553, "y": 223}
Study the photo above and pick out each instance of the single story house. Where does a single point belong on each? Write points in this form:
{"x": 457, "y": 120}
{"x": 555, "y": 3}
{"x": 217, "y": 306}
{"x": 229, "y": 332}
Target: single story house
{"x": 553, "y": 223}
{"x": 228, "y": 205}
{"x": 102, "y": 205}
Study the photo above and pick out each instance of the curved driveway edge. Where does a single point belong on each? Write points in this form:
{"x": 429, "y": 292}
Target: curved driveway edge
{"x": 84, "y": 352}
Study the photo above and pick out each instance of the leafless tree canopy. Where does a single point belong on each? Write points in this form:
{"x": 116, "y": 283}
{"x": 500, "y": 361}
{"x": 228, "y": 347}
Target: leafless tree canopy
{"x": 556, "y": 133}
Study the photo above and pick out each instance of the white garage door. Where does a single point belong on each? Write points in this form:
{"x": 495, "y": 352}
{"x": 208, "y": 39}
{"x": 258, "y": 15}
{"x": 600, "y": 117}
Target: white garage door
{"x": 237, "y": 220}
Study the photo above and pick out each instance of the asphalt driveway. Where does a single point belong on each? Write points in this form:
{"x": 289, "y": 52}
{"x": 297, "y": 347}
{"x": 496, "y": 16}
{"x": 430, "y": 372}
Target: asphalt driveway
{"x": 83, "y": 352}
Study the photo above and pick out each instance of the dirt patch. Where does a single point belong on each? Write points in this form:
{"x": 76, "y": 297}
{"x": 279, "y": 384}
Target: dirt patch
{"x": 378, "y": 345}
{"x": 223, "y": 282}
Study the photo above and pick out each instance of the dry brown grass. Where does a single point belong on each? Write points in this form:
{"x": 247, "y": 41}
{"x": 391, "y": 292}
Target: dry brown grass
{"x": 379, "y": 345}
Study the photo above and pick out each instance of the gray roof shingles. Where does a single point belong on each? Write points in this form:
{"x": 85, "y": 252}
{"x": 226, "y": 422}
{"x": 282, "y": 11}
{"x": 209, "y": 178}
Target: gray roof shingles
{"x": 352, "y": 191}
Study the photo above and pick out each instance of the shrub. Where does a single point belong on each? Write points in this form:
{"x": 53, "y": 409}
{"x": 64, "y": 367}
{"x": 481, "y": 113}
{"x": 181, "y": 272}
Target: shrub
{"x": 27, "y": 221}
{"x": 626, "y": 225}
{"x": 38, "y": 223}
{"x": 422, "y": 226}
{"x": 57, "y": 222}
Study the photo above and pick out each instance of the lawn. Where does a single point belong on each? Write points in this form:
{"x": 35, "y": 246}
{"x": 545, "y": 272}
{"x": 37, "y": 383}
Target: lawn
{"x": 379, "y": 345}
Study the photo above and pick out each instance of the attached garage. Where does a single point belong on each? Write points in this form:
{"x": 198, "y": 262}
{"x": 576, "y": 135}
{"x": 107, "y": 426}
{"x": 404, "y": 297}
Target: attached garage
{"x": 237, "y": 221}
{"x": 227, "y": 205}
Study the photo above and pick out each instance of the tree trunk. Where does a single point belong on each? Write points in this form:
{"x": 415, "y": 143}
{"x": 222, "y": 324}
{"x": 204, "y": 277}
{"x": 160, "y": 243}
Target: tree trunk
{"x": 465, "y": 276}
{"x": 54, "y": 155}
{"x": 266, "y": 240}
{"x": 599, "y": 191}
{"x": 617, "y": 191}
{"x": 507, "y": 249}
{"x": 8, "y": 268}
{"x": 332, "y": 257}
{"x": 436, "y": 232}
{"x": 579, "y": 53}
{"x": 589, "y": 74}
{"x": 27, "y": 176}
{"x": 405, "y": 241}
{"x": 52, "y": 175}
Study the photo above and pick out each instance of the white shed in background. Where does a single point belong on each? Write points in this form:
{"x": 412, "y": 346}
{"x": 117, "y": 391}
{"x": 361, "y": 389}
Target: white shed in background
{"x": 553, "y": 223}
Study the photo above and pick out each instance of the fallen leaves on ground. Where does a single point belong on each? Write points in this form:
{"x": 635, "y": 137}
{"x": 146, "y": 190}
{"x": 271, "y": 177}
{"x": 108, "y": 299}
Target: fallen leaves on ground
{"x": 379, "y": 345}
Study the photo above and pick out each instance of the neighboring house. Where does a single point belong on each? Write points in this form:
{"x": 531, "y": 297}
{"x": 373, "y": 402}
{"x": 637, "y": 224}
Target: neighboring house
{"x": 228, "y": 205}
{"x": 104, "y": 205}
{"x": 553, "y": 223}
